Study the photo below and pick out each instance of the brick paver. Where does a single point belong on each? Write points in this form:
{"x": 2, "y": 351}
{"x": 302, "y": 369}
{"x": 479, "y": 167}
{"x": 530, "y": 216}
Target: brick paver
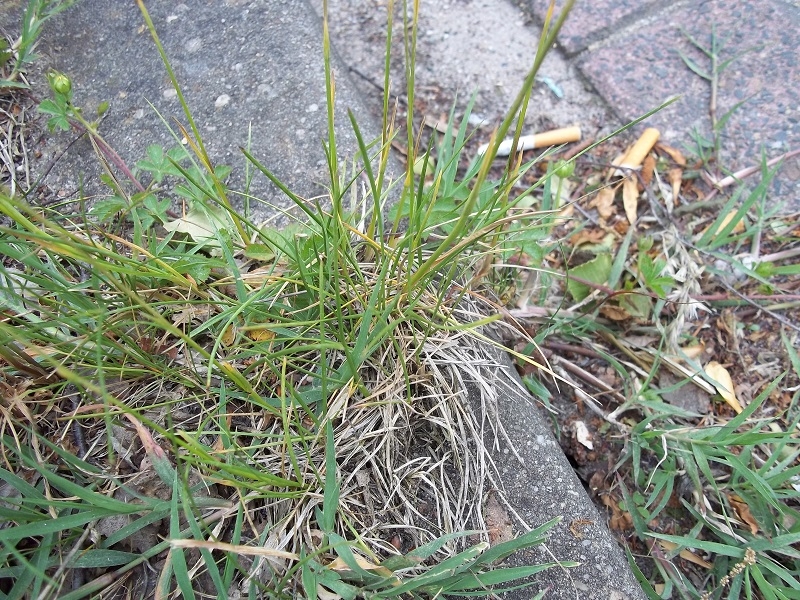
{"x": 630, "y": 52}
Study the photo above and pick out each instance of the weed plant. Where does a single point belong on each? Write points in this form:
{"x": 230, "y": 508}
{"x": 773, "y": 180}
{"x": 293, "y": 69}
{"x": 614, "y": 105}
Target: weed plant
{"x": 199, "y": 405}
{"x": 712, "y": 497}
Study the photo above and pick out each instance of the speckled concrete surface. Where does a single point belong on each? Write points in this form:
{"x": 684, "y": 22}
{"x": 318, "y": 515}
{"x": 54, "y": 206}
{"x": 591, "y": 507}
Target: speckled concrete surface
{"x": 543, "y": 485}
{"x": 252, "y": 73}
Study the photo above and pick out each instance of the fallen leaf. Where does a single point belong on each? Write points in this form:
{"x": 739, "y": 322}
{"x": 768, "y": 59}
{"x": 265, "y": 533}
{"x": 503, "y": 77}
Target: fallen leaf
{"x": 229, "y": 335}
{"x": 630, "y": 198}
{"x": 582, "y": 435}
{"x": 261, "y": 334}
{"x": 587, "y": 236}
{"x": 648, "y": 166}
{"x": 497, "y": 521}
{"x": 723, "y": 383}
{"x": 685, "y": 554}
{"x": 619, "y": 521}
{"x": 676, "y": 179}
{"x": 673, "y": 153}
{"x": 604, "y": 202}
{"x": 693, "y": 351}
{"x": 614, "y": 313}
{"x": 743, "y": 512}
{"x": 339, "y": 565}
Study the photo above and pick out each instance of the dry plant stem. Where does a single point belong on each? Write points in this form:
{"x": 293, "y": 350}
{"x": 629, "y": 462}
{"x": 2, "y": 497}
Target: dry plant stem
{"x": 770, "y": 313}
{"x": 726, "y": 297}
{"x": 587, "y": 377}
{"x": 783, "y": 255}
{"x": 578, "y": 148}
{"x": 108, "y": 152}
{"x": 65, "y": 563}
{"x": 562, "y": 347}
{"x": 746, "y": 172}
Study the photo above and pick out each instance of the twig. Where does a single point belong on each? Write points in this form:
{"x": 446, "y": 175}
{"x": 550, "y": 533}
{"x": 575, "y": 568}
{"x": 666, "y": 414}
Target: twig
{"x": 746, "y": 172}
{"x": 588, "y": 377}
{"x": 772, "y": 314}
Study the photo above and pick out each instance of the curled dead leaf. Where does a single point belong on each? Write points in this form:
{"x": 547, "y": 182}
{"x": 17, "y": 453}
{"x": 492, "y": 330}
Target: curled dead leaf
{"x": 675, "y": 180}
{"x": 685, "y": 554}
{"x": 743, "y": 512}
{"x": 614, "y": 313}
{"x": 582, "y": 435}
{"x": 675, "y": 154}
{"x": 604, "y": 202}
{"x": 229, "y": 335}
{"x": 497, "y": 521}
{"x": 630, "y": 198}
{"x": 648, "y": 167}
{"x": 723, "y": 383}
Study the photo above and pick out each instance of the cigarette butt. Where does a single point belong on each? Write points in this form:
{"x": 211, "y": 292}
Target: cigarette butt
{"x": 539, "y": 140}
{"x": 635, "y": 156}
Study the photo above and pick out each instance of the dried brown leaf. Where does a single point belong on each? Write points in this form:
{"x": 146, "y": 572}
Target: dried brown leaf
{"x": 743, "y": 512}
{"x": 630, "y": 198}
{"x": 676, "y": 179}
{"x": 685, "y": 554}
{"x": 648, "y": 167}
{"x": 229, "y": 335}
{"x": 673, "y": 153}
{"x": 723, "y": 383}
{"x": 614, "y": 313}
{"x": 497, "y": 521}
{"x": 604, "y": 202}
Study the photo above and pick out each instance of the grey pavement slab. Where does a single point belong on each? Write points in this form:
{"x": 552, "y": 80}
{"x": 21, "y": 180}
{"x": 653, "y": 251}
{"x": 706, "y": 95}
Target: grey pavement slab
{"x": 252, "y": 73}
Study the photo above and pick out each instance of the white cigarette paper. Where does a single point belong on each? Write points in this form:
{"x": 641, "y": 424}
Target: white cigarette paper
{"x": 539, "y": 140}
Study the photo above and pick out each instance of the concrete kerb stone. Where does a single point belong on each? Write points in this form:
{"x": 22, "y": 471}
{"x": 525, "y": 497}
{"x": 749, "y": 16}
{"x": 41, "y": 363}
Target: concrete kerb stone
{"x": 261, "y": 64}
{"x": 544, "y": 486}
{"x": 252, "y": 73}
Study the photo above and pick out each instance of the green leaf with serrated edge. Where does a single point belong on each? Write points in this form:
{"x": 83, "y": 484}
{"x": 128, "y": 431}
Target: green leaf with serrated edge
{"x": 103, "y": 210}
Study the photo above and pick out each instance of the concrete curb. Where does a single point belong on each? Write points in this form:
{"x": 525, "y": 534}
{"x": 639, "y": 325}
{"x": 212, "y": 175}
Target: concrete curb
{"x": 544, "y": 487}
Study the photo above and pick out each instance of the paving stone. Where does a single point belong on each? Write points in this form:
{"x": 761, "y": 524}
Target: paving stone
{"x": 592, "y": 21}
{"x": 640, "y": 68}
